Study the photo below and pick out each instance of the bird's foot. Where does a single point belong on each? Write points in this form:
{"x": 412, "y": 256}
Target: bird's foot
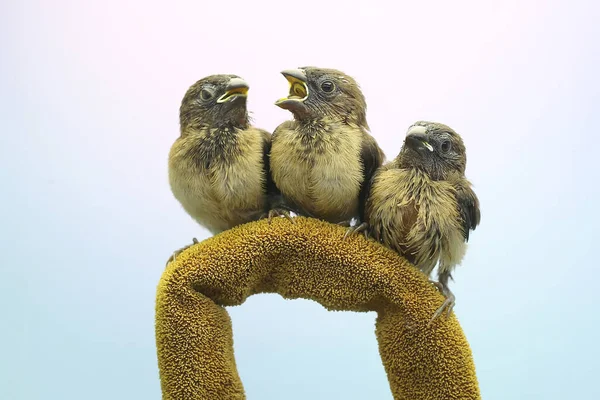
{"x": 447, "y": 305}
{"x": 181, "y": 250}
{"x": 279, "y": 212}
{"x": 345, "y": 223}
{"x": 363, "y": 227}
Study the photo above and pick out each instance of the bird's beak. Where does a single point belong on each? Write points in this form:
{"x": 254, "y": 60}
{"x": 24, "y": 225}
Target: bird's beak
{"x": 236, "y": 87}
{"x": 416, "y": 138}
{"x": 294, "y": 75}
{"x": 298, "y": 90}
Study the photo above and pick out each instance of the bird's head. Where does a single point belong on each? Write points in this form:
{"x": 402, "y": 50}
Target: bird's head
{"x": 434, "y": 148}
{"x": 319, "y": 92}
{"x": 215, "y": 101}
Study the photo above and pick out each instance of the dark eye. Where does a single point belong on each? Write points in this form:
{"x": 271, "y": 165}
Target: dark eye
{"x": 446, "y": 145}
{"x": 206, "y": 94}
{"x": 327, "y": 86}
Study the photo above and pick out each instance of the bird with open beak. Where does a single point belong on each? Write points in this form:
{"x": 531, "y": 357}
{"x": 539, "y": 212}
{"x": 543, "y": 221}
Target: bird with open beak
{"x": 422, "y": 206}
{"x": 322, "y": 160}
{"x": 218, "y": 166}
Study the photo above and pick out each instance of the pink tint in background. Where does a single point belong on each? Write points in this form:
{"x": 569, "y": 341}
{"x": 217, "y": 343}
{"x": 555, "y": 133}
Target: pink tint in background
{"x": 89, "y": 98}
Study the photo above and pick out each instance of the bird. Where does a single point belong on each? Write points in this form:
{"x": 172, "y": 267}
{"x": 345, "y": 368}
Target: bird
{"x": 322, "y": 159}
{"x": 219, "y": 165}
{"x": 422, "y": 206}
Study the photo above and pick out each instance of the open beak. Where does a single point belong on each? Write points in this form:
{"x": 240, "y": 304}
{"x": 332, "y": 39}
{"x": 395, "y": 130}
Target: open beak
{"x": 236, "y": 88}
{"x": 416, "y": 138}
{"x": 298, "y": 91}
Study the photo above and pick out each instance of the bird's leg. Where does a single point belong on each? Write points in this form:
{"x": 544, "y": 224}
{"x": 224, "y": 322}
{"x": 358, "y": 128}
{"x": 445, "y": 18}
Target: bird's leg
{"x": 277, "y": 208}
{"x": 448, "y": 304}
{"x": 362, "y": 227}
{"x": 181, "y": 250}
{"x": 278, "y": 212}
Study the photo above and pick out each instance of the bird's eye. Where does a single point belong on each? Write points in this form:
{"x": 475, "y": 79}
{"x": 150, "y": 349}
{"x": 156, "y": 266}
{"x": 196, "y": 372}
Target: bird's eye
{"x": 327, "y": 86}
{"x": 446, "y": 146}
{"x": 206, "y": 94}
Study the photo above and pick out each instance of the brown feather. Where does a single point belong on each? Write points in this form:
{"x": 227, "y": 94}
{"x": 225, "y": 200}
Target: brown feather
{"x": 424, "y": 210}
{"x": 218, "y": 167}
{"x": 220, "y": 192}
{"x": 323, "y": 160}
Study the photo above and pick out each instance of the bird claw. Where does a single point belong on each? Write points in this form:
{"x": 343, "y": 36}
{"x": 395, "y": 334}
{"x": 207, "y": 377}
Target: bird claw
{"x": 447, "y": 305}
{"x": 280, "y": 212}
{"x": 181, "y": 250}
{"x": 364, "y": 228}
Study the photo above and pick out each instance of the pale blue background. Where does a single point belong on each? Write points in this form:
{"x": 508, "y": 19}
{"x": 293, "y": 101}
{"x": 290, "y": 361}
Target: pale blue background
{"x": 89, "y": 97}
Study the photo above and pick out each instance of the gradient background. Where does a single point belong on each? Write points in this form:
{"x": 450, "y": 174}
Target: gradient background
{"x": 89, "y": 98}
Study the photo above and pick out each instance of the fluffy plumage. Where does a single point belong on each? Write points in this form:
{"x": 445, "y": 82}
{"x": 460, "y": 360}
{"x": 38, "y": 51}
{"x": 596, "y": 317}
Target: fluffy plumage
{"x": 421, "y": 204}
{"x": 218, "y": 167}
{"x": 322, "y": 160}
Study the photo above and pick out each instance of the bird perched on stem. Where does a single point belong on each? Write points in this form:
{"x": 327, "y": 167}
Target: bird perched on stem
{"x": 422, "y": 206}
{"x": 218, "y": 166}
{"x": 323, "y": 158}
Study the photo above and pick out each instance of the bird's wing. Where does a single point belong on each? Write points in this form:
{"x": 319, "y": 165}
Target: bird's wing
{"x": 468, "y": 206}
{"x": 371, "y": 157}
{"x": 270, "y": 187}
{"x": 275, "y": 198}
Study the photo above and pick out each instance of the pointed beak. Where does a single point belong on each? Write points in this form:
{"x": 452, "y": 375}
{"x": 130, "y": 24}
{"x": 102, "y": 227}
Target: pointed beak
{"x": 298, "y": 90}
{"x": 294, "y": 74}
{"x": 236, "y": 87}
{"x": 417, "y": 138}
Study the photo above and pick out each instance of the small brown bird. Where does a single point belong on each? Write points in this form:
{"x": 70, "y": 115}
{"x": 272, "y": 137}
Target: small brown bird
{"x": 422, "y": 206}
{"x": 322, "y": 160}
{"x": 218, "y": 167}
